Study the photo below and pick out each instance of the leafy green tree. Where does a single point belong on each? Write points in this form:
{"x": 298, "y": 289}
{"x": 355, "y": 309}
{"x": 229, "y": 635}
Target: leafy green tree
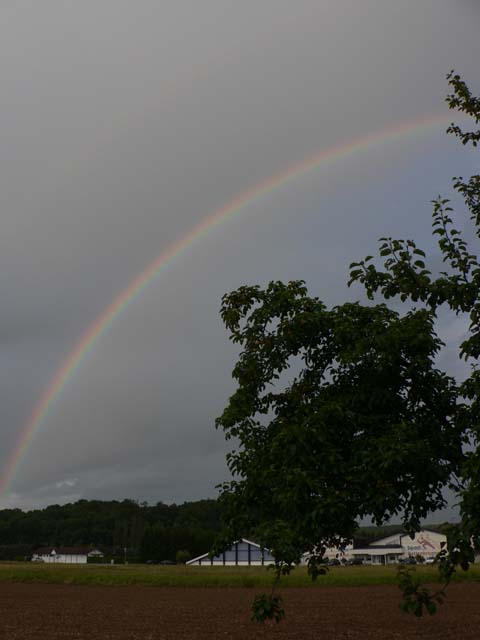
{"x": 339, "y": 414}
{"x": 182, "y": 556}
{"x": 406, "y": 275}
{"x": 342, "y": 414}
{"x": 152, "y": 546}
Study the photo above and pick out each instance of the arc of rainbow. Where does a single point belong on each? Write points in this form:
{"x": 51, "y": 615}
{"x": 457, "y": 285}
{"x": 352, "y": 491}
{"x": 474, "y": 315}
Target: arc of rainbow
{"x": 136, "y": 286}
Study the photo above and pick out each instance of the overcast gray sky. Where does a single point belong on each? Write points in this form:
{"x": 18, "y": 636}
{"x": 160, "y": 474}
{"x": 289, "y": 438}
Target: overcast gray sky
{"x": 123, "y": 124}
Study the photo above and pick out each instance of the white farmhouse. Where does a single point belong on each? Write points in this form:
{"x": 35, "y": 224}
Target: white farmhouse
{"x": 66, "y": 555}
{"x": 242, "y": 553}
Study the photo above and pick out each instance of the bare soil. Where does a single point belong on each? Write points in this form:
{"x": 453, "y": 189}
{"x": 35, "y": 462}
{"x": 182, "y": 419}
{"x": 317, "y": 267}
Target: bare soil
{"x": 44, "y": 612}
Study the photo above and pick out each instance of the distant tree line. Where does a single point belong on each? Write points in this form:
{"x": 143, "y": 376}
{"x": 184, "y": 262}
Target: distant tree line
{"x": 148, "y": 532}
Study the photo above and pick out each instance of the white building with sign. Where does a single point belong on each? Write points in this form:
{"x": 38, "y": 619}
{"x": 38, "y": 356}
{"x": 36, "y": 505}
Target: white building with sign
{"x": 391, "y": 549}
{"x": 425, "y": 544}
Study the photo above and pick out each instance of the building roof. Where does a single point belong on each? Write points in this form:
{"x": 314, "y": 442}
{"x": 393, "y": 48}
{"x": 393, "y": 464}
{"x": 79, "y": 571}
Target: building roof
{"x": 66, "y": 551}
{"x": 383, "y": 546}
{"x": 396, "y": 531}
{"x": 206, "y": 555}
{"x": 379, "y": 550}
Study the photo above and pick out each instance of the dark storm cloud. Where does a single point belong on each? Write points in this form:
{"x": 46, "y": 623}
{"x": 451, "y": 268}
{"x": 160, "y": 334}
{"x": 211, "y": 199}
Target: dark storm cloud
{"x": 123, "y": 125}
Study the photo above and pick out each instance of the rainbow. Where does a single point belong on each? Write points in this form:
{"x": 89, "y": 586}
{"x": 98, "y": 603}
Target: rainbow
{"x": 138, "y": 285}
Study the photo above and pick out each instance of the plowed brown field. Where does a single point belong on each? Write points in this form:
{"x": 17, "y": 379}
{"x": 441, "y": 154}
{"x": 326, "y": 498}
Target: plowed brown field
{"x": 44, "y": 612}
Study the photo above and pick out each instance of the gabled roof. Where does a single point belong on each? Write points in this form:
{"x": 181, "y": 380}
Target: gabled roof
{"x": 206, "y": 555}
{"x": 67, "y": 551}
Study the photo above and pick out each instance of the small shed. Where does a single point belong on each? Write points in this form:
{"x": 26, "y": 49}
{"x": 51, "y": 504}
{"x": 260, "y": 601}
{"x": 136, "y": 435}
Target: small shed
{"x": 242, "y": 553}
{"x": 66, "y": 555}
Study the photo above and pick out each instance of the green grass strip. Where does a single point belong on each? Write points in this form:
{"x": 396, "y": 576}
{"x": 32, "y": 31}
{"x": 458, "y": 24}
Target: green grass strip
{"x": 183, "y": 576}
